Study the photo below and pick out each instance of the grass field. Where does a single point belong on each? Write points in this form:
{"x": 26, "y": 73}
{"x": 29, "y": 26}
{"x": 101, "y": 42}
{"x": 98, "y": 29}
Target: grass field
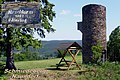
{"x": 46, "y": 70}
{"x": 42, "y": 63}
{"x": 43, "y": 70}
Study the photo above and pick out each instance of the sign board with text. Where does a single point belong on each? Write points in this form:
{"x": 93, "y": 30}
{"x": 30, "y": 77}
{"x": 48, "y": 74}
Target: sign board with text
{"x": 20, "y": 13}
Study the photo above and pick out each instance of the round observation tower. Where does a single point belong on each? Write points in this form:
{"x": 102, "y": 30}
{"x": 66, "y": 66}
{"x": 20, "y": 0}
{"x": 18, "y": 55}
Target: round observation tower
{"x": 93, "y": 28}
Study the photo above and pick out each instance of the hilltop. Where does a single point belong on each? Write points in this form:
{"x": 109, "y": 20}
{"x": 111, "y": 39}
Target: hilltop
{"x": 49, "y": 48}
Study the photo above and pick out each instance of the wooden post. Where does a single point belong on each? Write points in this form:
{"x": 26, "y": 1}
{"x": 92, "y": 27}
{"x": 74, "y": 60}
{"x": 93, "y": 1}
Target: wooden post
{"x": 74, "y": 58}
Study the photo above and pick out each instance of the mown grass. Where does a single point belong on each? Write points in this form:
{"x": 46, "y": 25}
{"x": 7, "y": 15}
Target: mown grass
{"x": 43, "y": 70}
{"x": 43, "y": 63}
{"x": 38, "y": 70}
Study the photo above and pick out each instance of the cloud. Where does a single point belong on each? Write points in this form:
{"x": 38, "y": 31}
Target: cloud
{"x": 77, "y": 15}
{"x": 64, "y": 12}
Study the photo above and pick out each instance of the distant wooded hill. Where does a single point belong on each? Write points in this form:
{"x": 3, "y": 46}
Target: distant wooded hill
{"x": 49, "y": 47}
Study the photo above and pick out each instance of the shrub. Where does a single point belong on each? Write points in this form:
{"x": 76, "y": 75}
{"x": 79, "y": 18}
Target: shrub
{"x": 107, "y": 71}
{"x": 26, "y": 56}
{"x": 97, "y": 53}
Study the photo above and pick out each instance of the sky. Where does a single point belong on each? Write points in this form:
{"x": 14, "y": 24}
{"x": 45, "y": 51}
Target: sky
{"x": 69, "y": 12}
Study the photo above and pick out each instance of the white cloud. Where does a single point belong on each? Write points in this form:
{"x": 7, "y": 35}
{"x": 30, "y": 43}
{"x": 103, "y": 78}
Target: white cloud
{"x": 77, "y": 15}
{"x": 64, "y": 12}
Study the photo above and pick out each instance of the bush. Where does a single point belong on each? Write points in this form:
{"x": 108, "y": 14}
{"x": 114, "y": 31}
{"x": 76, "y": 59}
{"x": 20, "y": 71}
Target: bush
{"x": 97, "y": 53}
{"x": 107, "y": 71}
{"x": 26, "y": 56}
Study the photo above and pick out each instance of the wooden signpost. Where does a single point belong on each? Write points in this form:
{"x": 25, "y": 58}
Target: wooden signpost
{"x": 20, "y": 13}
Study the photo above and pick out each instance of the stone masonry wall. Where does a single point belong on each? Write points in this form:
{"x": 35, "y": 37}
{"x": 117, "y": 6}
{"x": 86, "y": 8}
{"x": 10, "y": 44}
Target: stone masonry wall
{"x": 93, "y": 27}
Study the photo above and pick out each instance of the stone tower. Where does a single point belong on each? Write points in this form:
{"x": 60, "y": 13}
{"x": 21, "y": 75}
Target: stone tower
{"x": 93, "y": 28}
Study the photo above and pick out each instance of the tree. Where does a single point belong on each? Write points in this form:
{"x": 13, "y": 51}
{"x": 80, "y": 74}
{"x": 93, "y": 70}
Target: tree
{"x": 114, "y": 45}
{"x": 11, "y": 38}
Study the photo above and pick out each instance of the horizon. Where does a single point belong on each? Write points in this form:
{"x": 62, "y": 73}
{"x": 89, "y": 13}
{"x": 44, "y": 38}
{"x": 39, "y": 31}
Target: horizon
{"x": 61, "y": 40}
{"x": 67, "y": 17}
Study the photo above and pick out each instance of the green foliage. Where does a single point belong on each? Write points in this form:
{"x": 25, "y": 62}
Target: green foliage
{"x": 97, "y": 53}
{"x": 23, "y": 37}
{"x": 11, "y": 37}
{"x": 3, "y": 78}
{"x": 107, "y": 71}
{"x": 26, "y": 56}
{"x": 1, "y": 70}
{"x": 20, "y": 37}
{"x": 114, "y": 45}
{"x": 2, "y": 58}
